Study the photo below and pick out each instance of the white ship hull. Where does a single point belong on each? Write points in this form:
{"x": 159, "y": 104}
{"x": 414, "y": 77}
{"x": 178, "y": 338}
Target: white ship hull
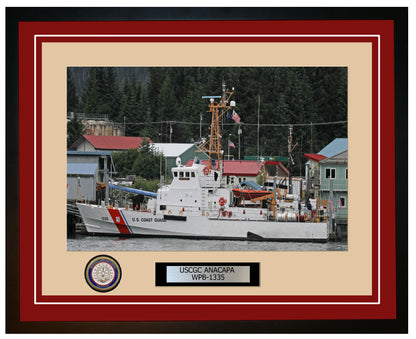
{"x": 121, "y": 222}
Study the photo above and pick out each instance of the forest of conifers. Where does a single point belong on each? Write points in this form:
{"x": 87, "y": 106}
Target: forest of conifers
{"x": 150, "y": 101}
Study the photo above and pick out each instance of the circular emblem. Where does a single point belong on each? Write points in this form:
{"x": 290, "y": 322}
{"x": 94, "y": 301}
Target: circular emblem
{"x": 103, "y": 273}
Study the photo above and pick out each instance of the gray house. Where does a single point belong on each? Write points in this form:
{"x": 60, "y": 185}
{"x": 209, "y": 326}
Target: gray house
{"x": 87, "y": 174}
{"x": 313, "y": 168}
{"x": 334, "y": 177}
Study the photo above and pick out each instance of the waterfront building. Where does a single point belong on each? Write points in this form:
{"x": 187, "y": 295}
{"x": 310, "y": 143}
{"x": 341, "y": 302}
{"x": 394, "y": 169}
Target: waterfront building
{"x": 334, "y": 172}
{"x": 86, "y": 175}
{"x": 91, "y": 143}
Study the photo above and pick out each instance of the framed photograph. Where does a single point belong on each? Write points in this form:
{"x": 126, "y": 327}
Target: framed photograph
{"x": 206, "y": 170}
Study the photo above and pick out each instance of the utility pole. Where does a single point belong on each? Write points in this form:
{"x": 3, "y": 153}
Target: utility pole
{"x": 258, "y": 128}
{"x": 200, "y": 126}
{"x": 107, "y": 192}
{"x": 162, "y": 178}
{"x": 239, "y": 133}
{"x": 291, "y": 162}
{"x": 330, "y": 208}
{"x": 229, "y": 135}
{"x": 289, "y": 148}
{"x": 311, "y": 139}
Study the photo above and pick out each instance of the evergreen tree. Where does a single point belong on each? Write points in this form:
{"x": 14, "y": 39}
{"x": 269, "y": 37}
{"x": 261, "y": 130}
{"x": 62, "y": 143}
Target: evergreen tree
{"x": 72, "y": 102}
{"x": 145, "y": 115}
{"x": 112, "y": 93}
{"x": 74, "y": 129}
{"x": 288, "y": 95}
{"x": 101, "y": 95}
{"x": 155, "y": 83}
{"x": 166, "y": 108}
{"x": 130, "y": 109}
{"x": 91, "y": 93}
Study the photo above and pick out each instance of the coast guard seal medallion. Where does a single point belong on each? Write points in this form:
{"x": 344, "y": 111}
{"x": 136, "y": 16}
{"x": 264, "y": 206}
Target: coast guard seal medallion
{"x": 103, "y": 273}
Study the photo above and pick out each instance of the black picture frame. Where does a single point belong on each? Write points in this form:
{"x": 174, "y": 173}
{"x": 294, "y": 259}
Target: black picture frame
{"x": 16, "y": 15}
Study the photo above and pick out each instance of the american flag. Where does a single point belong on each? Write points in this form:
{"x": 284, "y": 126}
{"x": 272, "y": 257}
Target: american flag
{"x": 235, "y": 117}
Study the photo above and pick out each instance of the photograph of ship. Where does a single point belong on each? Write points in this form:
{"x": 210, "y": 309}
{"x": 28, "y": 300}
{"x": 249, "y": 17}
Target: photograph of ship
{"x": 207, "y": 158}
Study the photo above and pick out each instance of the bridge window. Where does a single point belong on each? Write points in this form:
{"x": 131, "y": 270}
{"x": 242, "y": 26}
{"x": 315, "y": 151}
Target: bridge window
{"x": 193, "y": 174}
{"x": 187, "y": 174}
{"x": 175, "y": 174}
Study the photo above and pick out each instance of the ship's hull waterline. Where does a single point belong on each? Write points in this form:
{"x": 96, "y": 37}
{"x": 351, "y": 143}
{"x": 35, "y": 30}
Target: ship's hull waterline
{"x": 101, "y": 220}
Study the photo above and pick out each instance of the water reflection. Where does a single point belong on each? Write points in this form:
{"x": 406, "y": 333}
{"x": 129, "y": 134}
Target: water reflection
{"x": 100, "y": 243}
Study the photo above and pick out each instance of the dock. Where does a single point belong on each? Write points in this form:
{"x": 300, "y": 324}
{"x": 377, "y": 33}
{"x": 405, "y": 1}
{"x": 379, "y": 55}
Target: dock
{"x": 74, "y": 224}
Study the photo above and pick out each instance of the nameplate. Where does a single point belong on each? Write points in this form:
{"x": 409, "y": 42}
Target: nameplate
{"x": 207, "y": 274}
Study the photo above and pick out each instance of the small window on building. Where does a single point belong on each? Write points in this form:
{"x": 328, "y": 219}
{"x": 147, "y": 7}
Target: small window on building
{"x": 330, "y": 173}
{"x": 239, "y": 179}
{"x": 346, "y": 173}
{"x": 342, "y": 202}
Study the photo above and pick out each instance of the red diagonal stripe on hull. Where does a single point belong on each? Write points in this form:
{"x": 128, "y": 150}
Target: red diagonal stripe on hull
{"x": 118, "y": 221}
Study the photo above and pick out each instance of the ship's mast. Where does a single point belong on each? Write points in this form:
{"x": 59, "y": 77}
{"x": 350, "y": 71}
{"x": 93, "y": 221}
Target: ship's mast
{"x": 291, "y": 162}
{"x": 217, "y": 109}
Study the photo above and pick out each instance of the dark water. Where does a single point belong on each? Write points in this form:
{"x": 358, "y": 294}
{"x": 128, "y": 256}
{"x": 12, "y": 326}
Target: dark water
{"x": 100, "y": 243}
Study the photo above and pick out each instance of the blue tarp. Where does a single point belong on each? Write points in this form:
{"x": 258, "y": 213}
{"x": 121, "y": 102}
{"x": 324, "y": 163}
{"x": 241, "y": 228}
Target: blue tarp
{"x": 251, "y": 184}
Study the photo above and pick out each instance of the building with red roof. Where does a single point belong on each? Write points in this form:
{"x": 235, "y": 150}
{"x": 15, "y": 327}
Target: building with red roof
{"x": 91, "y": 143}
{"x": 241, "y": 168}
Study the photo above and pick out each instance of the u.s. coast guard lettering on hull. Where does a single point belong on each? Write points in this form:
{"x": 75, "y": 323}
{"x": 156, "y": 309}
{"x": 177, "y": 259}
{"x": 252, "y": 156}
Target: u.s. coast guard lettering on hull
{"x": 141, "y": 219}
{"x": 103, "y": 273}
{"x": 125, "y": 223}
